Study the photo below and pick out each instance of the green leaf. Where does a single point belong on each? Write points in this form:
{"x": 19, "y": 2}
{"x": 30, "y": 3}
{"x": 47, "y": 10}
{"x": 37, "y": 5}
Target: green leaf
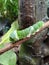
{"x": 9, "y": 8}
{"x": 5, "y": 38}
{"x": 8, "y": 58}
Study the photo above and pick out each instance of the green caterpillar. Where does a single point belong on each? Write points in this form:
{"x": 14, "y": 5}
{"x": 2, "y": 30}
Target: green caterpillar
{"x": 16, "y": 35}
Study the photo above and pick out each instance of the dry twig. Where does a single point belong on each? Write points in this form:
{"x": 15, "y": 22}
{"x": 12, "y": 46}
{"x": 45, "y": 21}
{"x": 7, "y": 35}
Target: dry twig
{"x": 10, "y": 46}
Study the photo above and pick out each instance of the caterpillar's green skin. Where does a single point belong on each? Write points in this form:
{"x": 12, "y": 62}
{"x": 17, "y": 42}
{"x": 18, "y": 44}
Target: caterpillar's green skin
{"x": 17, "y": 35}
{"x": 13, "y": 34}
